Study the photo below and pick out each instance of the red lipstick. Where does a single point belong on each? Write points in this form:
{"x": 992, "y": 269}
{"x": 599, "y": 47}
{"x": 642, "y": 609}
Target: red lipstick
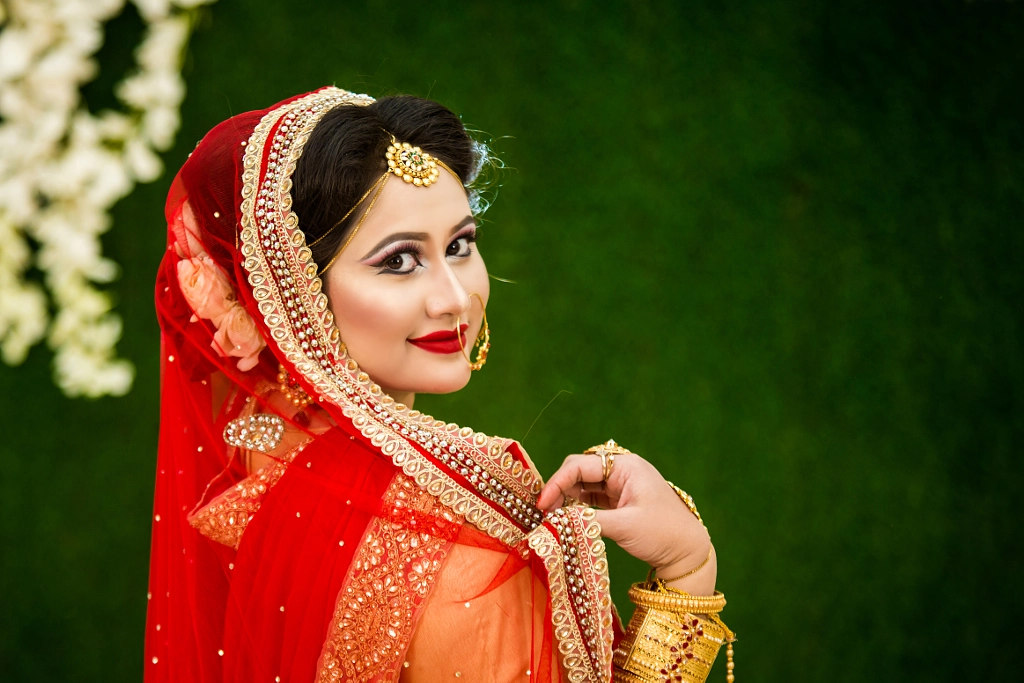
{"x": 445, "y": 341}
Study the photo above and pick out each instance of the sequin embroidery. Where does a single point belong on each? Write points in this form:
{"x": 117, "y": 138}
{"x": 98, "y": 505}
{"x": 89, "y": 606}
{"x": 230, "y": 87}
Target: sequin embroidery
{"x": 391, "y": 576}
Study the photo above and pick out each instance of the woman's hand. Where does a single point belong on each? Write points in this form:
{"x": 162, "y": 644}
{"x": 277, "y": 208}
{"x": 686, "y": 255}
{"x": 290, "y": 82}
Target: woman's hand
{"x": 641, "y": 513}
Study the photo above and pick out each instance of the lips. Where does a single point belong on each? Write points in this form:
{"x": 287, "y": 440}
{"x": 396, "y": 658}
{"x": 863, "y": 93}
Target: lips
{"x": 443, "y": 342}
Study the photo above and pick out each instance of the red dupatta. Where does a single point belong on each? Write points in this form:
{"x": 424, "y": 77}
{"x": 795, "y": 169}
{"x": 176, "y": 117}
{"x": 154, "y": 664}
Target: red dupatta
{"x": 378, "y": 543}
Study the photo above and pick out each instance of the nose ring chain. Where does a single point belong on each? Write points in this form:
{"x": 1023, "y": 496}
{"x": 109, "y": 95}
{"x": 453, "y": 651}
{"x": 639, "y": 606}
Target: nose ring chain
{"x": 483, "y": 338}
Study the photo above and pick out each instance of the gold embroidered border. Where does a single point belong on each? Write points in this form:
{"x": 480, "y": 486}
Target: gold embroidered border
{"x": 460, "y": 500}
{"x": 584, "y": 633}
{"x": 389, "y": 426}
{"x": 391, "y": 576}
{"x": 340, "y": 381}
{"x": 225, "y": 518}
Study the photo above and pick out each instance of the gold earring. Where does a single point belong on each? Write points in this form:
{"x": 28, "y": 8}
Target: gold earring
{"x": 484, "y": 338}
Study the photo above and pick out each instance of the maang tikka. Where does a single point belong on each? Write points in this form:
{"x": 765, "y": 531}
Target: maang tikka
{"x": 406, "y": 161}
{"x": 419, "y": 168}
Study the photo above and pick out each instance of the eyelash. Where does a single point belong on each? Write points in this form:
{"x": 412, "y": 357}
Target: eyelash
{"x": 412, "y": 248}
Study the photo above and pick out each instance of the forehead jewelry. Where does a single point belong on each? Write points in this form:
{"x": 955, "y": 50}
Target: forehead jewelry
{"x": 411, "y": 164}
{"x": 405, "y": 161}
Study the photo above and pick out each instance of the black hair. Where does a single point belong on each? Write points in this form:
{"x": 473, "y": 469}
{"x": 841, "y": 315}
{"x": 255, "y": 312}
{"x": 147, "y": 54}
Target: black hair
{"x": 344, "y": 157}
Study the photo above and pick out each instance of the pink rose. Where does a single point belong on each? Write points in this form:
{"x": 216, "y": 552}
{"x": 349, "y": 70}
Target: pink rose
{"x": 238, "y": 336}
{"x": 186, "y": 233}
{"x": 206, "y": 288}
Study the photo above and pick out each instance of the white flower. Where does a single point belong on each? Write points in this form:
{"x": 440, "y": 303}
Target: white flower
{"x": 22, "y": 304}
{"x": 62, "y": 168}
{"x": 153, "y": 10}
{"x": 151, "y": 89}
{"x": 81, "y": 373}
{"x": 22, "y": 320}
{"x": 161, "y": 50}
{"x": 111, "y": 183}
{"x": 16, "y": 53}
{"x": 159, "y": 126}
{"x": 61, "y": 69}
{"x": 18, "y": 200}
{"x": 113, "y": 125}
{"x": 141, "y": 161}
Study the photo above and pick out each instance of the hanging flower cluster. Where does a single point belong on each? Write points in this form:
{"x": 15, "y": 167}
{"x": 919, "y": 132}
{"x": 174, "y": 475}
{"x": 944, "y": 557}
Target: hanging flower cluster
{"x": 62, "y": 168}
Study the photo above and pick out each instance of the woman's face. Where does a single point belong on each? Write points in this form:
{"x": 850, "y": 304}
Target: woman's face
{"x": 401, "y": 284}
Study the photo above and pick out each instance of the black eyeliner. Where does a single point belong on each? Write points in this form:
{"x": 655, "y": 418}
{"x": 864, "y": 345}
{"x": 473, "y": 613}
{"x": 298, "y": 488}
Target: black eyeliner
{"x": 396, "y": 250}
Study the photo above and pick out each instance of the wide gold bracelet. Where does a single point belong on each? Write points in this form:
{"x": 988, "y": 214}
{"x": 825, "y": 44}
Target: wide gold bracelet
{"x": 666, "y": 641}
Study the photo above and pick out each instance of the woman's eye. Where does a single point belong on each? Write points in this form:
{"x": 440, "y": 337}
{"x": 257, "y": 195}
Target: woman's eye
{"x": 459, "y": 247}
{"x": 400, "y": 263}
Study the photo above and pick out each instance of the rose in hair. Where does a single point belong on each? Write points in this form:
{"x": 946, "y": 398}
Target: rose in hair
{"x": 206, "y": 288}
{"x": 238, "y": 336}
{"x": 186, "y": 233}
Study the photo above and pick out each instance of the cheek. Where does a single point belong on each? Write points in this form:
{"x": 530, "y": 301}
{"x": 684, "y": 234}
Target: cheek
{"x": 477, "y": 281}
{"x": 370, "y": 317}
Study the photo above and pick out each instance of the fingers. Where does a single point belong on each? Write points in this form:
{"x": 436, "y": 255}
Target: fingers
{"x": 616, "y": 524}
{"x": 596, "y": 499}
{"x": 568, "y": 480}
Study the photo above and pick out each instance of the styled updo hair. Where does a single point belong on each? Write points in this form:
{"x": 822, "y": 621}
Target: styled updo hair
{"x": 344, "y": 157}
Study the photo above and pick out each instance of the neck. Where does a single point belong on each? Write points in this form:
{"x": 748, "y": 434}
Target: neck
{"x": 404, "y": 397}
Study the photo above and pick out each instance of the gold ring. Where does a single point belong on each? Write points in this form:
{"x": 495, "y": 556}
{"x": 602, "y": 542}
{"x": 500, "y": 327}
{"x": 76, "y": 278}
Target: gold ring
{"x": 608, "y": 446}
{"x": 608, "y": 462}
{"x": 607, "y": 450}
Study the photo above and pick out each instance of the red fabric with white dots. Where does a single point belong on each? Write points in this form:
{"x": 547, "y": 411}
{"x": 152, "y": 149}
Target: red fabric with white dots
{"x": 269, "y": 610}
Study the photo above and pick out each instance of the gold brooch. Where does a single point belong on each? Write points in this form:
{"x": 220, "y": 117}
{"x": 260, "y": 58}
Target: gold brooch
{"x": 411, "y": 164}
{"x": 261, "y": 432}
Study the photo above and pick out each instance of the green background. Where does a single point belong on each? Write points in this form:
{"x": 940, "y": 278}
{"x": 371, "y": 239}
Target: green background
{"x": 775, "y": 247}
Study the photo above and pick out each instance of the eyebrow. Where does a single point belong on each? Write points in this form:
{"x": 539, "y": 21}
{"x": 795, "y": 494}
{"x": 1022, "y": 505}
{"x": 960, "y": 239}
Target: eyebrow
{"x": 414, "y": 236}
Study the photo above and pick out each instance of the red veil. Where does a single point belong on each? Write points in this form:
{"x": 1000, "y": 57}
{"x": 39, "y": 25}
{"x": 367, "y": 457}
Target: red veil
{"x": 374, "y": 543}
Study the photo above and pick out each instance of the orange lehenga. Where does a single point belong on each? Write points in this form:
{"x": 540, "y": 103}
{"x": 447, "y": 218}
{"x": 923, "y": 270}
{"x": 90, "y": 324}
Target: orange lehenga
{"x": 376, "y": 543}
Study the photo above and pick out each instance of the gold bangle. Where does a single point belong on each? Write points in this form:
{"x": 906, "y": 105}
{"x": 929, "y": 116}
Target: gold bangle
{"x": 687, "y": 500}
{"x": 671, "y": 600}
{"x": 650, "y": 574}
{"x": 662, "y": 644}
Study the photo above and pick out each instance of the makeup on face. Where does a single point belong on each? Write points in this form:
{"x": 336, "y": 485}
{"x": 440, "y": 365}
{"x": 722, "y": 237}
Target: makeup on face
{"x": 414, "y": 237}
{"x": 404, "y": 258}
{"x": 401, "y": 253}
{"x": 403, "y": 289}
{"x": 443, "y": 341}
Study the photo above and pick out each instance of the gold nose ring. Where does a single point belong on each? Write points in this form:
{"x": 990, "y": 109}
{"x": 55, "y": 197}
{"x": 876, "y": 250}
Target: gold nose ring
{"x": 483, "y": 338}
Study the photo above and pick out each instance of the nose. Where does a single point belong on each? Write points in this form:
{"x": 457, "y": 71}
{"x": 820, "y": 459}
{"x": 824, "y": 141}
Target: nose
{"x": 447, "y": 297}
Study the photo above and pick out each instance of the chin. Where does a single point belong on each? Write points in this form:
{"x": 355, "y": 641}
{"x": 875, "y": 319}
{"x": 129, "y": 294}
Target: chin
{"x": 446, "y": 381}
{"x": 436, "y": 378}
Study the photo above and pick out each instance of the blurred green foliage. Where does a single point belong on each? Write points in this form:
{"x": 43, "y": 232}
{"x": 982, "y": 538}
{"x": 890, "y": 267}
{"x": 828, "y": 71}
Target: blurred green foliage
{"x": 775, "y": 247}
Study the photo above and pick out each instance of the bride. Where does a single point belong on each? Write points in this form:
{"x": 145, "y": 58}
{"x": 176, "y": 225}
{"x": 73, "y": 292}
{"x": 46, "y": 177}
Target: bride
{"x": 309, "y": 524}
